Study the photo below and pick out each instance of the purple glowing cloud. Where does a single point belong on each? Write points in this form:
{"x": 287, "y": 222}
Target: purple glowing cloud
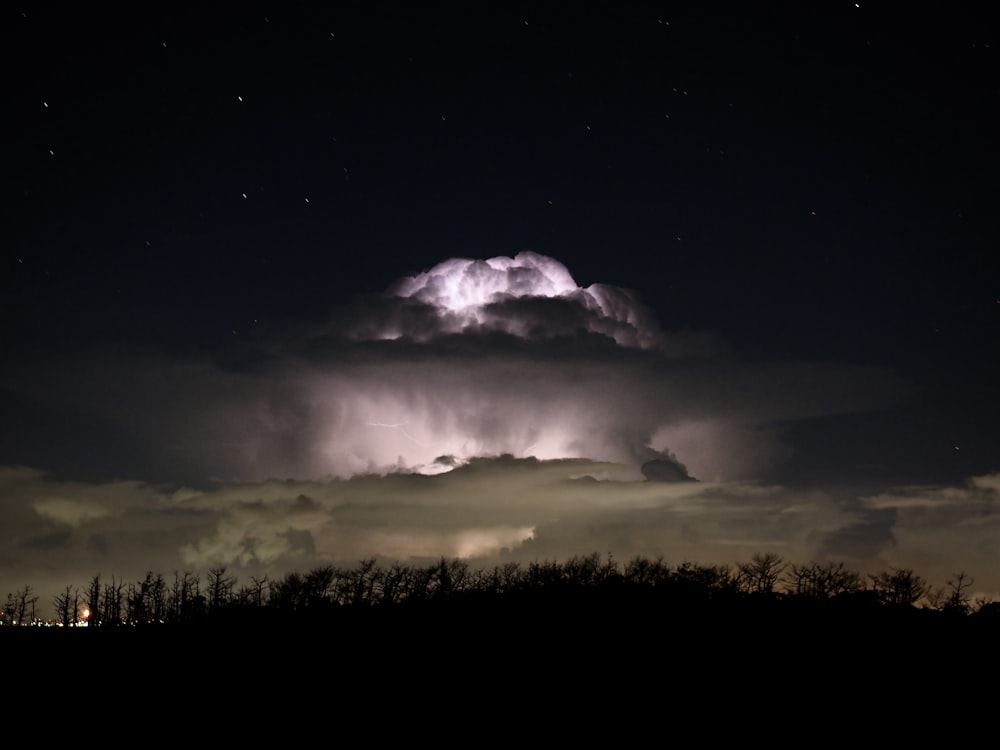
{"x": 529, "y": 296}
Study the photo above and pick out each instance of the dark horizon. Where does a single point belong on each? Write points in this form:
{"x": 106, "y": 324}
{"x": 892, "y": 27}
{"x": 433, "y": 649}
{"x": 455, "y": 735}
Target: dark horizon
{"x": 325, "y": 595}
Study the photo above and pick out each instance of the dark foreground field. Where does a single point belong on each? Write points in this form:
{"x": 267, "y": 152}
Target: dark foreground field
{"x": 586, "y": 650}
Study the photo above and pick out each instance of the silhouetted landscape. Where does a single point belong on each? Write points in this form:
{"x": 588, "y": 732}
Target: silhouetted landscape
{"x": 448, "y": 600}
{"x": 641, "y": 640}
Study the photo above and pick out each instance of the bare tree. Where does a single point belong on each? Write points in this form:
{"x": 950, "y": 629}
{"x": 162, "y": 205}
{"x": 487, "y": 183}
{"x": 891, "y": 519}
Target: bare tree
{"x": 509, "y": 576}
{"x": 147, "y": 602}
{"x": 111, "y": 603}
{"x": 393, "y": 584}
{"x": 320, "y": 585}
{"x": 447, "y": 577}
{"x": 900, "y": 587}
{"x": 184, "y": 601}
{"x": 357, "y": 586}
{"x": 543, "y": 574}
{"x": 220, "y": 588}
{"x": 706, "y": 579}
{"x": 645, "y": 572}
{"x": 761, "y": 574}
{"x": 288, "y": 593}
{"x": 956, "y": 595}
{"x": 824, "y": 580}
{"x": 65, "y": 604}
{"x": 251, "y": 596}
{"x": 590, "y": 570}
{"x": 257, "y": 587}
{"x": 17, "y": 606}
{"x": 94, "y": 601}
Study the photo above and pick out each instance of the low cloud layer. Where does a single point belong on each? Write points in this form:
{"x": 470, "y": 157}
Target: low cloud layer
{"x": 57, "y": 534}
{"x": 963, "y": 521}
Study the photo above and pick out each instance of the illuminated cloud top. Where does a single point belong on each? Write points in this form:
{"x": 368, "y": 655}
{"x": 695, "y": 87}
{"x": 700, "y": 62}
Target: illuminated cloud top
{"x": 529, "y": 296}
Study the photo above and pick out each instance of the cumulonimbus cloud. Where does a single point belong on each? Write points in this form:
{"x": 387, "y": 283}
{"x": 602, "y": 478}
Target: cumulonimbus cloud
{"x": 483, "y": 409}
{"x": 470, "y": 358}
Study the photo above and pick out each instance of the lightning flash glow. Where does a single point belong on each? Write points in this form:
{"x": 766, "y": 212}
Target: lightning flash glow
{"x": 530, "y": 296}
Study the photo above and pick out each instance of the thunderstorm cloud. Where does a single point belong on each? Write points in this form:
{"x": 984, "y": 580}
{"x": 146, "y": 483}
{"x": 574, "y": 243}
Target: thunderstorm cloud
{"x": 487, "y": 409}
{"x": 467, "y": 359}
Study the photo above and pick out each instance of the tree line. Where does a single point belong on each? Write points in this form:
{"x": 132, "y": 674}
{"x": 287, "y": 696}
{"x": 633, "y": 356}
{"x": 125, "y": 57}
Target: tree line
{"x": 186, "y": 597}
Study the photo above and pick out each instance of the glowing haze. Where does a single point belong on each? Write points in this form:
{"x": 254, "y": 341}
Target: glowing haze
{"x": 509, "y": 356}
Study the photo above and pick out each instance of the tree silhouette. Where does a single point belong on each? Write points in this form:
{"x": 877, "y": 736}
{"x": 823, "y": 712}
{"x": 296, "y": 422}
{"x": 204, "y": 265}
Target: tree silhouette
{"x": 319, "y": 587}
{"x": 185, "y": 602}
{"x": 258, "y": 590}
{"x": 18, "y": 606}
{"x": 147, "y": 602}
{"x": 112, "y": 603}
{"x": 824, "y": 580}
{"x": 900, "y": 587}
{"x": 583, "y": 584}
{"x": 66, "y": 604}
{"x": 220, "y": 589}
{"x": 589, "y": 570}
{"x": 641, "y": 571}
{"x": 288, "y": 593}
{"x": 954, "y": 599}
{"x": 707, "y": 579}
{"x": 96, "y": 616}
{"x": 392, "y": 584}
{"x": 762, "y": 574}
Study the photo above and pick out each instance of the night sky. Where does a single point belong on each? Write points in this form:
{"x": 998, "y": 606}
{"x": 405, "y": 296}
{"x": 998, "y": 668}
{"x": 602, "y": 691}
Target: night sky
{"x": 748, "y": 244}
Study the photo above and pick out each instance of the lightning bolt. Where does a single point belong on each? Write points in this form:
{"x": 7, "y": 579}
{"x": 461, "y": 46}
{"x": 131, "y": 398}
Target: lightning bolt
{"x": 399, "y": 426}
